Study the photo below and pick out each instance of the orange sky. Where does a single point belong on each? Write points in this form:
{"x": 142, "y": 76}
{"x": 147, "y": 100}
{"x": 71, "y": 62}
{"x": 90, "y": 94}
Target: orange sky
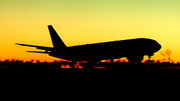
{"x": 84, "y": 21}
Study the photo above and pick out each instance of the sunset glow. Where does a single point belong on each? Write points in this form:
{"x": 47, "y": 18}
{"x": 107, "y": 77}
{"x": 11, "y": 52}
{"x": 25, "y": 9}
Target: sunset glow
{"x": 88, "y": 21}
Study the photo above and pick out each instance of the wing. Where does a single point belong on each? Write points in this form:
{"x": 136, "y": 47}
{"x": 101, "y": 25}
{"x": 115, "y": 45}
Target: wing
{"x": 38, "y": 47}
{"x": 37, "y": 52}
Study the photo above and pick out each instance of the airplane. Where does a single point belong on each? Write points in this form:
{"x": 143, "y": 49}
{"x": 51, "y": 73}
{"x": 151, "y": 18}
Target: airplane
{"x": 133, "y": 49}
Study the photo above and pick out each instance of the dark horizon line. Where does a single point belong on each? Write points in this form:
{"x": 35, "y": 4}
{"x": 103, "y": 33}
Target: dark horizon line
{"x": 104, "y": 61}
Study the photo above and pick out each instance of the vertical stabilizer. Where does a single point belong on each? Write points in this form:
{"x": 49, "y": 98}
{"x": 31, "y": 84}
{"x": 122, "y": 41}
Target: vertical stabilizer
{"x": 56, "y": 40}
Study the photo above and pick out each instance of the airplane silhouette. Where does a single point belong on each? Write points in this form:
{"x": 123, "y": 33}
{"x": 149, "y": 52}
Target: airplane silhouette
{"x": 132, "y": 49}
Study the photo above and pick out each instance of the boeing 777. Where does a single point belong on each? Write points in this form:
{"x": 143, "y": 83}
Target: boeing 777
{"x": 133, "y": 49}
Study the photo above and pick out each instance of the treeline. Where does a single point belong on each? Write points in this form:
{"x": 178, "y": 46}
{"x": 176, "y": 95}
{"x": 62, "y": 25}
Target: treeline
{"x": 122, "y": 64}
{"x": 36, "y": 64}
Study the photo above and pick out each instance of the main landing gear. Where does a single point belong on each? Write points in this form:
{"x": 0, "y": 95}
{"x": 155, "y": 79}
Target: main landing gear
{"x": 111, "y": 60}
{"x": 149, "y": 61}
{"x": 135, "y": 59}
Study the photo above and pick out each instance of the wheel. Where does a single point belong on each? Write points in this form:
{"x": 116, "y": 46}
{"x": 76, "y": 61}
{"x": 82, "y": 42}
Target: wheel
{"x": 137, "y": 58}
{"x": 90, "y": 64}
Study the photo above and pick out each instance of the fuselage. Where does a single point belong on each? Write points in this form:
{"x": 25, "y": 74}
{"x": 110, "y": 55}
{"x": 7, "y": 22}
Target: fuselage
{"x": 108, "y": 50}
{"x": 132, "y": 49}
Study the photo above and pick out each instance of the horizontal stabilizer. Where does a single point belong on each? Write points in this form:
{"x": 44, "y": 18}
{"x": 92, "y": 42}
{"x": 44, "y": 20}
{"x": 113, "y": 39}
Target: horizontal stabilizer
{"x": 38, "y": 47}
{"x": 36, "y": 52}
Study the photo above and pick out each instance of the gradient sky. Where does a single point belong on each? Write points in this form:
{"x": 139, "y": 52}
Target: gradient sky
{"x": 87, "y": 21}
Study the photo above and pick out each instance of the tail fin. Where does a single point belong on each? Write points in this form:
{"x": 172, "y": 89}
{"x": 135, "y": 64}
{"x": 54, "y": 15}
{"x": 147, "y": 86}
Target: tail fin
{"x": 56, "y": 40}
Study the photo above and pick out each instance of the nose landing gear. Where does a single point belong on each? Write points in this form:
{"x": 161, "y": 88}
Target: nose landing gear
{"x": 149, "y": 61}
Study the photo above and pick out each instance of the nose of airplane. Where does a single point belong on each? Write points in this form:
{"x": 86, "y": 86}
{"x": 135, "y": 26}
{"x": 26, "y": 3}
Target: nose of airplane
{"x": 157, "y": 47}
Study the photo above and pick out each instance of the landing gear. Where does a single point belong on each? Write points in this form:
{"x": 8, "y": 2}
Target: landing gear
{"x": 90, "y": 64}
{"x": 149, "y": 57}
{"x": 111, "y": 60}
{"x": 149, "y": 61}
{"x": 135, "y": 59}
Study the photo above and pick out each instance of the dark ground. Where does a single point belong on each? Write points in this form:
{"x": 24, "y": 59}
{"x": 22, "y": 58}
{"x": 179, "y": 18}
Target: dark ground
{"x": 101, "y": 78}
{"x": 115, "y": 79}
